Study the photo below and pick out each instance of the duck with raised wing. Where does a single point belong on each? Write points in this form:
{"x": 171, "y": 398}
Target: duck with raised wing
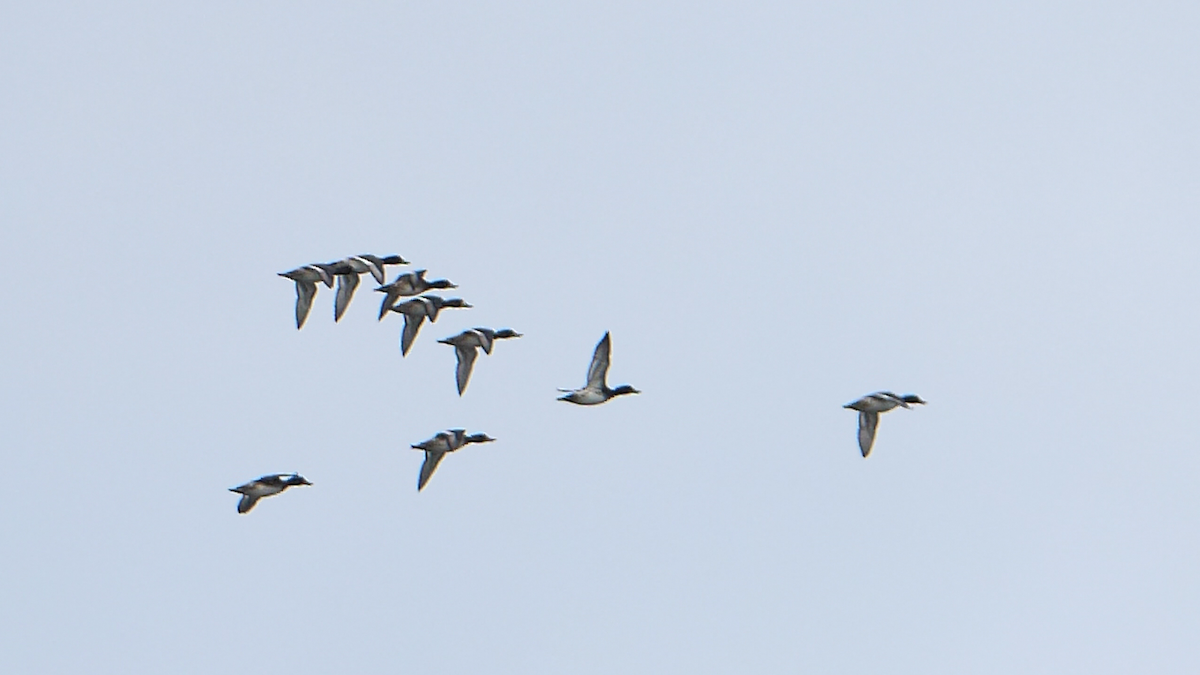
{"x": 266, "y": 486}
{"x": 306, "y": 279}
{"x": 870, "y": 406}
{"x": 413, "y": 283}
{"x": 347, "y": 272}
{"x": 437, "y": 447}
{"x": 465, "y": 344}
{"x": 415, "y": 312}
{"x": 596, "y": 390}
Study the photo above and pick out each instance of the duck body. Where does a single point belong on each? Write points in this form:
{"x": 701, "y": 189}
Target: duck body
{"x": 869, "y": 408}
{"x": 415, "y": 312}
{"x": 597, "y": 391}
{"x": 465, "y": 345}
{"x": 306, "y": 279}
{"x": 440, "y": 445}
{"x": 585, "y": 396}
{"x": 266, "y": 486}
{"x": 413, "y": 283}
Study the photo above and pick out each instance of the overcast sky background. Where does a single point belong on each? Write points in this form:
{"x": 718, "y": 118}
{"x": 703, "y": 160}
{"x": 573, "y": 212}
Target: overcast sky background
{"x": 774, "y": 207}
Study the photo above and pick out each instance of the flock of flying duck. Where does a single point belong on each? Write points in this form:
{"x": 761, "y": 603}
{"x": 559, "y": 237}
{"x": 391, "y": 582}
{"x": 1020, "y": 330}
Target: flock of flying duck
{"x": 415, "y": 310}
{"x": 466, "y": 345}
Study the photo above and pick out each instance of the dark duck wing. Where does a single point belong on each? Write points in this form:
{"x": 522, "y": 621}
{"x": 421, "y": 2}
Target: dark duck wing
{"x": 246, "y": 503}
{"x": 466, "y": 361}
{"x": 345, "y": 291}
{"x": 867, "y": 423}
{"x": 412, "y": 324}
{"x": 389, "y": 299}
{"x": 598, "y": 370}
{"x": 432, "y": 459}
{"x": 305, "y": 292}
{"x": 375, "y": 267}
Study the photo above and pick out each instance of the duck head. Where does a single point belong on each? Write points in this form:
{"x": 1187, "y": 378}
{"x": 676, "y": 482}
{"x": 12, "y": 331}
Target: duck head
{"x": 624, "y": 389}
{"x": 478, "y": 438}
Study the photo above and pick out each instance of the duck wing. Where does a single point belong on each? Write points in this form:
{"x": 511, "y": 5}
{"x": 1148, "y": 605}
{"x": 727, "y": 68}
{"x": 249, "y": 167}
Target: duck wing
{"x": 486, "y": 340}
{"x": 375, "y": 268}
{"x": 389, "y": 299}
{"x": 867, "y": 423}
{"x": 432, "y": 308}
{"x": 432, "y": 459}
{"x": 305, "y": 291}
{"x": 325, "y": 272}
{"x": 598, "y": 370}
{"x": 345, "y": 291}
{"x": 412, "y": 324}
{"x": 246, "y": 503}
{"x": 466, "y": 361}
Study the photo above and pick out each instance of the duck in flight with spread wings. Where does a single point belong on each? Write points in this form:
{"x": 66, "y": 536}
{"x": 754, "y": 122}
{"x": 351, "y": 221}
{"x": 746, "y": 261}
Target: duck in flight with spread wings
{"x": 596, "y": 390}
{"x": 442, "y": 443}
{"x": 266, "y": 486}
{"x": 306, "y": 279}
{"x": 870, "y": 406}
{"x": 415, "y": 312}
{"x": 466, "y": 345}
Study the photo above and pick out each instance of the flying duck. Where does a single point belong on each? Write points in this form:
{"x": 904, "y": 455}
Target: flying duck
{"x": 465, "y": 344}
{"x": 596, "y": 390}
{"x": 415, "y": 312}
{"x": 265, "y": 487}
{"x": 442, "y": 443}
{"x": 870, "y": 406}
{"x": 413, "y": 283}
{"x": 347, "y": 272}
{"x": 306, "y": 279}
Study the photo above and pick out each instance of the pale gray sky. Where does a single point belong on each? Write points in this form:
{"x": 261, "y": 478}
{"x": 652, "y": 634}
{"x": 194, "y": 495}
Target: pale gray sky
{"x": 774, "y": 207}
